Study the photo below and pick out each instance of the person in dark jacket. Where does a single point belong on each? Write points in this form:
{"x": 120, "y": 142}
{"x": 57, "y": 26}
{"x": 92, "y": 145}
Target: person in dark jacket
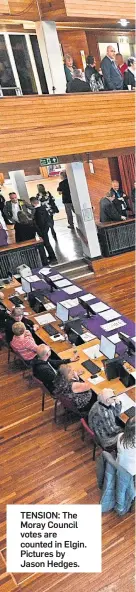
{"x": 64, "y": 190}
{"x": 102, "y": 418}
{"x": 130, "y": 74}
{"x": 133, "y": 197}
{"x": 78, "y": 84}
{"x": 68, "y": 67}
{"x": 24, "y": 228}
{"x": 48, "y": 200}
{"x": 17, "y": 317}
{"x": 92, "y": 76}
{"x": 121, "y": 200}
{"x": 108, "y": 210}
{"x": 45, "y": 368}
{"x": 113, "y": 79}
{"x": 42, "y": 223}
{"x": 13, "y": 206}
{"x": 2, "y": 312}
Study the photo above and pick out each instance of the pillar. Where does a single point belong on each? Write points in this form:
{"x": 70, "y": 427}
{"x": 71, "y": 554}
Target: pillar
{"x": 19, "y": 185}
{"x": 83, "y": 210}
{"x": 51, "y": 57}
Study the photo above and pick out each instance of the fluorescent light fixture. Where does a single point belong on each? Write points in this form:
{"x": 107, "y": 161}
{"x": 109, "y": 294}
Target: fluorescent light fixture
{"x": 123, "y": 22}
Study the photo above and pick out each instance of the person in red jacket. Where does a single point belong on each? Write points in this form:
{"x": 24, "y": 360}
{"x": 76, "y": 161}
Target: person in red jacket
{"x": 23, "y": 343}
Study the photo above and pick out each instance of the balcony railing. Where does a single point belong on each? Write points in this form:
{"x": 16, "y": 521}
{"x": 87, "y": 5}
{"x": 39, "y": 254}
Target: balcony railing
{"x": 18, "y": 90}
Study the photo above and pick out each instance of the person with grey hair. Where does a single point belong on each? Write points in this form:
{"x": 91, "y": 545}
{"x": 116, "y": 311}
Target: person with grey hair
{"x": 68, "y": 67}
{"x": 78, "y": 84}
{"x": 16, "y": 317}
{"x": 130, "y": 74}
{"x": 45, "y": 367}
{"x": 113, "y": 79}
{"x": 102, "y": 418}
{"x": 64, "y": 190}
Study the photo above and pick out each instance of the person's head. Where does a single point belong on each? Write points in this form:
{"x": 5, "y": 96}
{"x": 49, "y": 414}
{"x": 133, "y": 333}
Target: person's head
{"x": 106, "y": 397}
{"x": 34, "y": 202}
{"x": 68, "y": 60}
{"x": 115, "y": 185}
{"x": 90, "y": 60}
{"x": 63, "y": 175}
{"x": 43, "y": 352}
{"x": 78, "y": 74}
{"x": 119, "y": 59}
{"x": 13, "y": 197}
{"x": 132, "y": 63}
{"x": 128, "y": 438}
{"x": 18, "y": 329}
{"x": 22, "y": 217}
{"x": 17, "y": 314}
{"x": 67, "y": 372}
{"x": 110, "y": 196}
{"x": 1, "y": 296}
{"x": 41, "y": 188}
{"x": 111, "y": 52}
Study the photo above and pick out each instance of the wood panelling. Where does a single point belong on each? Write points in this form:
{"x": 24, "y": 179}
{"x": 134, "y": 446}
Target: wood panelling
{"x": 4, "y": 7}
{"x": 33, "y": 127}
{"x": 99, "y": 183}
{"x": 24, "y": 8}
{"x": 103, "y": 8}
{"x": 73, "y": 42}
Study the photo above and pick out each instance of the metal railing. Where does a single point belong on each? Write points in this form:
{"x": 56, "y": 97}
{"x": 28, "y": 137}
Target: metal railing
{"x": 18, "y": 90}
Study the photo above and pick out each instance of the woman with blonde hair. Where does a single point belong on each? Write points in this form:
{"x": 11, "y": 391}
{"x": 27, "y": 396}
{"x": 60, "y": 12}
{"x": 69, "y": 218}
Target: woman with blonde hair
{"x": 69, "y": 385}
{"x": 23, "y": 343}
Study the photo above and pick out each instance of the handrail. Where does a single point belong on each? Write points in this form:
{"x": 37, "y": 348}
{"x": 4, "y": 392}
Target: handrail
{"x": 16, "y": 88}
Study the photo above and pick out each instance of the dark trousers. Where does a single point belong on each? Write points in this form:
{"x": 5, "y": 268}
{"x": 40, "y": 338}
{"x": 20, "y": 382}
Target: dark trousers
{"x": 52, "y": 229}
{"x": 47, "y": 245}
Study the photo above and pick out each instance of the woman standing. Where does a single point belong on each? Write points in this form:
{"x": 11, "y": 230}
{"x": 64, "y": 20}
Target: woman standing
{"x": 92, "y": 76}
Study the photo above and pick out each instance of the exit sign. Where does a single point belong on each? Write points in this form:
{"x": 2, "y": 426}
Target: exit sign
{"x": 47, "y": 161}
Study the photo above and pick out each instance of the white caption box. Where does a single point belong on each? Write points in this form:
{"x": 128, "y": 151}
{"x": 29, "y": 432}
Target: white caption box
{"x": 54, "y": 538}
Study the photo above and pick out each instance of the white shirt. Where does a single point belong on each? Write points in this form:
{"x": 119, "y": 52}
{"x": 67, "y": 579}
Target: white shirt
{"x": 126, "y": 457}
{"x": 15, "y": 210}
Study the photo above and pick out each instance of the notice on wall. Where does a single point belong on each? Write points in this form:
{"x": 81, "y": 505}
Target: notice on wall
{"x": 54, "y": 538}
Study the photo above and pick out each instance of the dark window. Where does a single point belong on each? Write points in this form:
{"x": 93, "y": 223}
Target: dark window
{"x": 6, "y": 74}
{"x": 39, "y": 65}
{"x": 23, "y": 64}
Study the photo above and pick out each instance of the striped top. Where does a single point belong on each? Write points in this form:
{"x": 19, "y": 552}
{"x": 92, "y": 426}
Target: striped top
{"x": 24, "y": 345}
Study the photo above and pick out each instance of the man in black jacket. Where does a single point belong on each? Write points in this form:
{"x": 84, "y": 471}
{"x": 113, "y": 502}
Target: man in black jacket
{"x": 64, "y": 190}
{"x": 42, "y": 223}
{"x": 13, "y": 207}
{"x": 121, "y": 200}
{"x": 113, "y": 79}
{"x": 108, "y": 211}
{"x": 78, "y": 84}
{"x": 16, "y": 317}
{"x": 45, "y": 368}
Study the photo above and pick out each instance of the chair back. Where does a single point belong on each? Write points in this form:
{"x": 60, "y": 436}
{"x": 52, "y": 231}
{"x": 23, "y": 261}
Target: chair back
{"x": 68, "y": 404}
{"x": 86, "y": 427}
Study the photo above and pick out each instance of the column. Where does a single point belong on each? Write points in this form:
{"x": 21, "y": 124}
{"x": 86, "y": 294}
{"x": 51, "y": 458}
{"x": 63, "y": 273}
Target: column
{"x": 51, "y": 56}
{"x": 83, "y": 210}
{"x": 19, "y": 185}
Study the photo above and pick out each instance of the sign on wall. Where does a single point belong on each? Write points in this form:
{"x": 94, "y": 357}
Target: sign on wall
{"x": 48, "y": 161}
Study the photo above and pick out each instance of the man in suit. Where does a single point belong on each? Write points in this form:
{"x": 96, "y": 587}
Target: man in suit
{"x": 42, "y": 222}
{"x": 121, "y": 199}
{"x": 13, "y": 206}
{"x": 108, "y": 211}
{"x": 113, "y": 79}
{"x": 78, "y": 84}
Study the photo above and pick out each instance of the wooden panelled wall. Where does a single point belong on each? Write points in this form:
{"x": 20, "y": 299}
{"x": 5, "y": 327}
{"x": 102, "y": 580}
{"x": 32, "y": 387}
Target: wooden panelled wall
{"x": 99, "y": 182}
{"x": 33, "y": 127}
{"x": 73, "y": 42}
{"x": 101, "y": 8}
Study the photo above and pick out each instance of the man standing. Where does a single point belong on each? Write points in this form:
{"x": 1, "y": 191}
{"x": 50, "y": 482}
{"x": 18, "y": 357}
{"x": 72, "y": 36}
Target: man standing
{"x": 13, "y": 206}
{"x": 113, "y": 79}
{"x": 45, "y": 197}
{"x": 120, "y": 63}
{"x": 63, "y": 189}
{"x": 42, "y": 223}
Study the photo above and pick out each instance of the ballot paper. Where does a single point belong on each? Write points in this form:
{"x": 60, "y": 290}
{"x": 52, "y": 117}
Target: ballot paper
{"x": 19, "y": 290}
{"x": 99, "y": 307}
{"x": 56, "y": 277}
{"x": 49, "y": 306}
{"x": 62, "y": 283}
{"x": 87, "y": 336}
{"x": 93, "y": 352}
{"x": 96, "y": 380}
{"x": 70, "y": 303}
{"x": 32, "y": 278}
{"x": 126, "y": 402}
{"x": 72, "y": 289}
{"x": 110, "y": 314}
{"x": 114, "y": 338}
{"x": 88, "y": 297}
{"x": 113, "y": 325}
{"x": 44, "y": 318}
{"x": 45, "y": 270}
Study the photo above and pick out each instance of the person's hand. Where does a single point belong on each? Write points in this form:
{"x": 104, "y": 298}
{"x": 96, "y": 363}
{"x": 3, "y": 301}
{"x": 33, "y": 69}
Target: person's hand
{"x": 35, "y": 327}
{"x": 123, "y": 217}
{"x": 75, "y": 357}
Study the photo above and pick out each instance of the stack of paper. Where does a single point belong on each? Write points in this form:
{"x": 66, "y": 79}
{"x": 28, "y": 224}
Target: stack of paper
{"x": 19, "y": 290}
{"x": 45, "y": 270}
{"x": 113, "y": 325}
{"x": 32, "y": 278}
{"x": 44, "y": 318}
{"x": 93, "y": 352}
{"x": 110, "y": 314}
{"x": 88, "y": 336}
{"x": 62, "y": 283}
{"x": 72, "y": 289}
{"x": 56, "y": 277}
{"x": 99, "y": 306}
{"x": 70, "y": 303}
{"x": 126, "y": 402}
{"x": 88, "y": 297}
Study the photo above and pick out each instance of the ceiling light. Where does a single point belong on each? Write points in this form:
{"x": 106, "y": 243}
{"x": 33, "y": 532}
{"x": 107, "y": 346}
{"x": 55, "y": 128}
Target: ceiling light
{"x": 123, "y": 22}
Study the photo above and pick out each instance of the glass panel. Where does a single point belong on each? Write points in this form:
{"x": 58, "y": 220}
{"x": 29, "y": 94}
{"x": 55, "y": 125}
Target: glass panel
{"x": 23, "y": 64}
{"x": 39, "y": 65}
{"x": 6, "y": 74}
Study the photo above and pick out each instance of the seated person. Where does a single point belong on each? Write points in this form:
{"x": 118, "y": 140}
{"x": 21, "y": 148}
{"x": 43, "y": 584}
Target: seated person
{"x": 67, "y": 383}
{"x": 78, "y": 84}
{"x": 108, "y": 210}
{"x": 121, "y": 200}
{"x": 126, "y": 447}
{"x": 2, "y": 312}
{"x": 102, "y": 418}
{"x": 45, "y": 368}
{"x": 17, "y": 317}
{"x": 23, "y": 342}
{"x": 24, "y": 228}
